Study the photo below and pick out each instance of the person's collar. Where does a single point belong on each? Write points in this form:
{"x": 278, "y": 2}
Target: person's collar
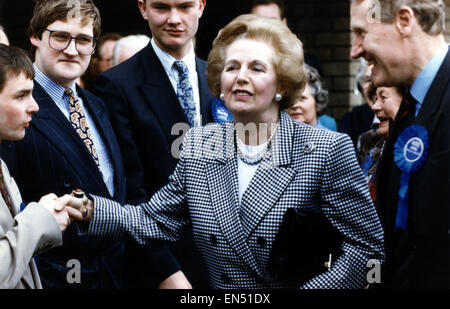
{"x": 54, "y": 90}
{"x": 422, "y": 84}
{"x": 167, "y": 60}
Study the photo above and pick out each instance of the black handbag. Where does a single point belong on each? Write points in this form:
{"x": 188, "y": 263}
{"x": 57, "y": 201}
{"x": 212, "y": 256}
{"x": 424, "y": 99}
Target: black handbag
{"x": 306, "y": 245}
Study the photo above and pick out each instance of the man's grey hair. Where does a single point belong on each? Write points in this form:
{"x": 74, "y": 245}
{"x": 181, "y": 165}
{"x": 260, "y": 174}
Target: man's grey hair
{"x": 360, "y": 76}
{"x": 318, "y": 91}
{"x": 430, "y": 14}
{"x": 138, "y": 41}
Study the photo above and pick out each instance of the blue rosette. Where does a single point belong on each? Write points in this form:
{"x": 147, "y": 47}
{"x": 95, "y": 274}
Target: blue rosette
{"x": 220, "y": 112}
{"x": 410, "y": 153}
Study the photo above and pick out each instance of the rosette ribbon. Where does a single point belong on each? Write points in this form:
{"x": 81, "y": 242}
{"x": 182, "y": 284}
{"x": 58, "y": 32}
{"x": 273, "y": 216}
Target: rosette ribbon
{"x": 220, "y": 112}
{"x": 410, "y": 152}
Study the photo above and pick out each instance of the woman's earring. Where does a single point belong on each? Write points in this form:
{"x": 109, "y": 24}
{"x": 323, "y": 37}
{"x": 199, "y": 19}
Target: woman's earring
{"x": 278, "y": 97}
{"x": 222, "y": 96}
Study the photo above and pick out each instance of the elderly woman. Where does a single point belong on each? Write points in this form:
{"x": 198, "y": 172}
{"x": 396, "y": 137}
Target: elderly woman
{"x": 235, "y": 181}
{"x": 312, "y": 102}
{"x": 386, "y": 102}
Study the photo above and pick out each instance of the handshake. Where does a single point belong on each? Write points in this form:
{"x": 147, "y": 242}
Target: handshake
{"x": 68, "y": 208}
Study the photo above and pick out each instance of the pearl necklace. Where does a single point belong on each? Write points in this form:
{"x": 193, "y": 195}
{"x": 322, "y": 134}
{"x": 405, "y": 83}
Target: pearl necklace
{"x": 252, "y": 155}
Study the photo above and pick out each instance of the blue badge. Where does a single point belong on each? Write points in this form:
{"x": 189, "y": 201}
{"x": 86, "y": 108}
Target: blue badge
{"x": 410, "y": 152}
{"x": 220, "y": 112}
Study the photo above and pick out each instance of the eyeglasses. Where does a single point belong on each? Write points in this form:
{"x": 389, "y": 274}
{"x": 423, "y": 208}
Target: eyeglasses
{"x": 60, "y": 40}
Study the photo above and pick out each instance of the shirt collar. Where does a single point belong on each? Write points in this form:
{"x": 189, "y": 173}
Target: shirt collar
{"x": 423, "y": 82}
{"x": 53, "y": 89}
{"x": 167, "y": 60}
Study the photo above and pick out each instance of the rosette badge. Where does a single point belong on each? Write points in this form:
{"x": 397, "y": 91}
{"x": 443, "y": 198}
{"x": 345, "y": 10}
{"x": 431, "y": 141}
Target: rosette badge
{"x": 220, "y": 112}
{"x": 410, "y": 153}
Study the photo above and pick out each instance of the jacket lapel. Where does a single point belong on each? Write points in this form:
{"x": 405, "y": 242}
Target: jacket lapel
{"x": 103, "y": 125}
{"x": 159, "y": 93}
{"x": 271, "y": 178}
{"x": 30, "y": 278}
{"x": 12, "y": 191}
{"x": 223, "y": 186}
{"x": 206, "y": 97}
{"x": 434, "y": 97}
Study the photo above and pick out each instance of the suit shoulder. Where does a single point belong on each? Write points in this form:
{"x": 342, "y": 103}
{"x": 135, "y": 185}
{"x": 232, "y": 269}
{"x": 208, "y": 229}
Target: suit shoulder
{"x": 92, "y": 98}
{"x": 200, "y": 62}
{"x": 125, "y": 70}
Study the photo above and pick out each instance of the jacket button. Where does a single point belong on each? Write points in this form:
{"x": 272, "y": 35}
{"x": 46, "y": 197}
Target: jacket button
{"x": 213, "y": 239}
{"x": 262, "y": 242}
{"x": 67, "y": 184}
{"x": 226, "y": 279}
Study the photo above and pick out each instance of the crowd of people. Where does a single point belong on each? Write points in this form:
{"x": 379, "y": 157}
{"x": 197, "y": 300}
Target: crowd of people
{"x": 156, "y": 169}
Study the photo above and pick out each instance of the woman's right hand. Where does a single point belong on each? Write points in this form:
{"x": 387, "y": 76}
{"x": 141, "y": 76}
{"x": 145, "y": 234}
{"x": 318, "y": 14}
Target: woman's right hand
{"x": 82, "y": 208}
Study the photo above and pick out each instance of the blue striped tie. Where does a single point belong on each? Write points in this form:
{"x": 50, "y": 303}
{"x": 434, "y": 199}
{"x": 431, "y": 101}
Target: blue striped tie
{"x": 185, "y": 93}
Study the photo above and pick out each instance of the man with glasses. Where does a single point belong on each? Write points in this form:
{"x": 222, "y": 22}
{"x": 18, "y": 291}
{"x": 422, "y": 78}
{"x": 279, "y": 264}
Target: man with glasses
{"x": 70, "y": 143}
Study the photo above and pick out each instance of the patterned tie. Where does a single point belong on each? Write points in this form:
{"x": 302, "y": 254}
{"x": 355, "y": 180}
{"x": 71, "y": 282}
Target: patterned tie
{"x": 79, "y": 123}
{"x": 185, "y": 93}
{"x": 3, "y": 190}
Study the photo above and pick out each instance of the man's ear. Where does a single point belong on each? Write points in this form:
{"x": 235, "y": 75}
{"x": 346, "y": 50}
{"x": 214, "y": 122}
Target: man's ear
{"x": 202, "y": 4}
{"x": 35, "y": 41}
{"x": 143, "y": 9}
{"x": 404, "y": 20}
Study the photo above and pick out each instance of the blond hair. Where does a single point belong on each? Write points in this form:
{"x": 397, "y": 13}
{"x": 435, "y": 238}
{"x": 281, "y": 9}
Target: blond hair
{"x": 288, "y": 53}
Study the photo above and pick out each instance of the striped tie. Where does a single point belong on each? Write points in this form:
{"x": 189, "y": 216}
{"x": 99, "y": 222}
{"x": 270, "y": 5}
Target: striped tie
{"x": 79, "y": 123}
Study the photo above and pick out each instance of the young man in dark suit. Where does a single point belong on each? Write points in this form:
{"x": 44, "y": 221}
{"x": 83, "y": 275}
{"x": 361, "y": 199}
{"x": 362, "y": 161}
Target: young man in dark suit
{"x": 150, "y": 97}
{"x": 405, "y": 43}
{"x": 70, "y": 142}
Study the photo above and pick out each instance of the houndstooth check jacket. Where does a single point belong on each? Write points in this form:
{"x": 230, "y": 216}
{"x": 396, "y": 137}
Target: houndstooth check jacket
{"x": 306, "y": 168}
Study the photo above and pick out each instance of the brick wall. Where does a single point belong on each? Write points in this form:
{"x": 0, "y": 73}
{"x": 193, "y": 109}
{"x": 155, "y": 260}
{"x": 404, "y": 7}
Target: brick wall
{"x": 322, "y": 25}
{"x": 324, "y": 28}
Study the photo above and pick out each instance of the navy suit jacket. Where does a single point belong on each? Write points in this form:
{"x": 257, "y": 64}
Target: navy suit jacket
{"x": 52, "y": 159}
{"x": 144, "y": 108}
{"x": 356, "y": 122}
{"x": 420, "y": 256}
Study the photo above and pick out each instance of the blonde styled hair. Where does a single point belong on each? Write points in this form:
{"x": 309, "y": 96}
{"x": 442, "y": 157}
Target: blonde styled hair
{"x": 288, "y": 53}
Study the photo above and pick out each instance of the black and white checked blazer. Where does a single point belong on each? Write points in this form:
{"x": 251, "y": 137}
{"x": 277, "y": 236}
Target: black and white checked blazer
{"x": 307, "y": 168}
